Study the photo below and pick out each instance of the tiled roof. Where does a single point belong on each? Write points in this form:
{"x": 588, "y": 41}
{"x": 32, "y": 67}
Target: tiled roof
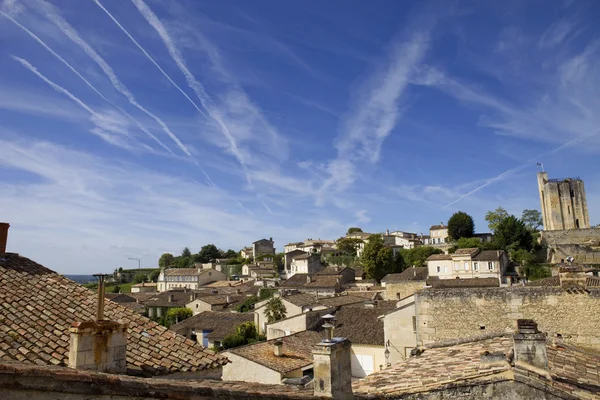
{"x": 439, "y": 257}
{"x": 489, "y": 255}
{"x": 466, "y": 252}
{"x": 120, "y": 298}
{"x": 145, "y": 284}
{"x": 360, "y": 325}
{"x": 409, "y": 274}
{"x": 436, "y": 227}
{"x": 550, "y": 281}
{"x": 220, "y": 323}
{"x": 334, "y": 271}
{"x": 304, "y": 299}
{"x": 179, "y": 298}
{"x": 219, "y": 299}
{"x": 463, "y": 283}
{"x": 37, "y": 307}
{"x": 294, "y": 280}
{"x": 302, "y": 256}
{"x": 323, "y": 281}
{"x": 573, "y": 370}
{"x": 297, "y": 352}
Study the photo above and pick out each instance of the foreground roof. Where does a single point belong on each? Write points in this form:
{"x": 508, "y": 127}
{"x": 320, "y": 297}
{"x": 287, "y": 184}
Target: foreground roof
{"x": 573, "y": 370}
{"x": 37, "y": 307}
{"x": 297, "y": 352}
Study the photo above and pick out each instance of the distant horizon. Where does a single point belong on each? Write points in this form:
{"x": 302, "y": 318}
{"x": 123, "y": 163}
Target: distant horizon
{"x": 131, "y": 129}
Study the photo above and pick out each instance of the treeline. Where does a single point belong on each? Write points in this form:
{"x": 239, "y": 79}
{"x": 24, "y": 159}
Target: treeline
{"x": 207, "y": 254}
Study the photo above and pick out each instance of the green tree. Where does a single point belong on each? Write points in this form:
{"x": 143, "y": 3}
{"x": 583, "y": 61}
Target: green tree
{"x": 247, "y": 305}
{"x": 377, "y": 259}
{"x": 186, "y": 252}
{"x": 460, "y": 225}
{"x": 183, "y": 262}
{"x": 512, "y": 234}
{"x": 532, "y": 219}
{"x": 348, "y": 246}
{"x": 231, "y": 254}
{"x": 275, "y": 310}
{"x": 247, "y": 330}
{"x": 418, "y": 256}
{"x": 176, "y": 315}
{"x": 208, "y": 253}
{"x": 465, "y": 243}
{"x": 166, "y": 260}
{"x": 140, "y": 277}
{"x": 245, "y": 333}
{"x": 153, "y": 276}
{"x": 354, "y": 229}
{"x": 493, "y": 218}
{"x": 534, "y": 272}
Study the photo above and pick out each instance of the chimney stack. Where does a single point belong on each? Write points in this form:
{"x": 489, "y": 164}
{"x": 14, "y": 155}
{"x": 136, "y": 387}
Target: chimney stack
{"x": 3, "y": 236}
{"x": 278, "y": 348}
{"x": 530, "y": 348}
{"x": 333, "y": 369}
{"x": 171, "y": 298}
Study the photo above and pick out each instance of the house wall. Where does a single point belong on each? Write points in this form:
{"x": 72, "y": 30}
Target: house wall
{"x": 197, "y": 306}
{"x": 400, "y": 290}
{"x": 446, "y": 314}
{"x": 286, "y": 327}
{"x": 445, "y": 268}
{"x": 260, "y": 319}
{"x": 377, "y": 352}
{"x": 211, "y": 276}
{"x": 398, "y": 328}
{"x": 262, "y": 247}
{"x": 244, "y": 370}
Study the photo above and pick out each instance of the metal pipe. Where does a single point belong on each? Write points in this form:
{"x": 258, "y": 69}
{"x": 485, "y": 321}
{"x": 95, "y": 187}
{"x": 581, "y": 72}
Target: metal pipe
{"x": 100, "y": 307}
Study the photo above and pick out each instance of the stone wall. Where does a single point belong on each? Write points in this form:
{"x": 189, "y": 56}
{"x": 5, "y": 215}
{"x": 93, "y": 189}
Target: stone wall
{"x": 581, "y": 244}
{"x": 447, "y": 314}
{"x": 401, "y": 290}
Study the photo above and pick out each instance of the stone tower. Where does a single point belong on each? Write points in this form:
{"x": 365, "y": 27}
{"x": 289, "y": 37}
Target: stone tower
{"x": 563, "y": 201}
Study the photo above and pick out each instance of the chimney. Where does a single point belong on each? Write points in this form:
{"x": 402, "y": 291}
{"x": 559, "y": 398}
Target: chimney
{"x": 572, "y": 276}
{"x": 228, "y": 299}
{"x": 387, "y": 232}
{"x": 3, "y": 236}
{"x": 192, "y": 297}
{"x": 278, "y": 348}
{"x": 530, "y": 348}
{"x": 308, "y": 279}
{"x": 332, "y": 369}
{"x": 171, "y": 298}
{"x": 99, "y": 345}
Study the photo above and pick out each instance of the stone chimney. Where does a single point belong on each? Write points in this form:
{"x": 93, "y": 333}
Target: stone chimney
{"x": 308, "y": 279}
{"x": 3, "y": 236}
{"x": 572, "y": 276}
{"x": 99, "y": 345}
{"x": 278, "y": 348}
{"x": 332, "y": 369}
{"x": 530, "y": 348}
{"x": 171, "y": 298}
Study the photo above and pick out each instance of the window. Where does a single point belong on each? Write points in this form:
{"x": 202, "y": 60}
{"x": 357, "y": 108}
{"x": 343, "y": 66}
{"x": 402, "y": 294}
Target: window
{"x": 456, "y": 266}
{"x": 217, "y": 343}
{"x": 491, "y": 265}
{"x": 466, "y": 266}
{"x": 414, "y": 321}
{"x": 445, "y": 268}
{"x": 569, "y": 209}
{"x": 475, "y": 266}
{"x": 439, "y": 269}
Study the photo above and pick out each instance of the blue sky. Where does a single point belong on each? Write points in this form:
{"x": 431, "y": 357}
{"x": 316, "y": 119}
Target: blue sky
{"x": 131, "y": 128}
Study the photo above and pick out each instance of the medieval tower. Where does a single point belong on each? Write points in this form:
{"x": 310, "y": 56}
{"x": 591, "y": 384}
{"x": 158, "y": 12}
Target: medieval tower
{"x": 563, "y": 203}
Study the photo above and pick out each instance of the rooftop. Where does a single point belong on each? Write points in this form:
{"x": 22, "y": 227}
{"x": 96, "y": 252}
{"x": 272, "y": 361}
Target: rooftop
{"x": 301, "y": 280}
{"x": 297, "y": 352}
{"x": 440, "y": 257}
{"x": 489, "y": 255}
{"x": 220, "y": 324}
{"x": 463, "y": 283}
{"x": 305, "y": 299}
{"x": 173, "y": 298}
{"x": 36, "y": 315}
{"x": 466, "y": 252}
{"x": 409, "y": 274}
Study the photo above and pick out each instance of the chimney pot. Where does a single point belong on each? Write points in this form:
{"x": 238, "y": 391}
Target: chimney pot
{"x": 530, "y": 348}
{"x": 3, "y": 236}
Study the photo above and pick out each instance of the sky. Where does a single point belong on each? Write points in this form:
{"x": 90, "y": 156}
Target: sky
{"x": 133, "y": 128}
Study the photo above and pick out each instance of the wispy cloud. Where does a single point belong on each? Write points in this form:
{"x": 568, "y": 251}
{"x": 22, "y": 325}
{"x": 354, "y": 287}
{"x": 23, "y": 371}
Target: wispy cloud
{"x": 376, "y": 111}
{"x": 80, "y": 76}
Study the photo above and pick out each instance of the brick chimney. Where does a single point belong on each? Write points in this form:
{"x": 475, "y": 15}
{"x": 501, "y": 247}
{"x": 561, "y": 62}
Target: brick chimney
{"x": 99, "y": 345}
{"x": 530, "y": 348}
{"x": 332, "y": 369}
{"x": 3, "y": 236}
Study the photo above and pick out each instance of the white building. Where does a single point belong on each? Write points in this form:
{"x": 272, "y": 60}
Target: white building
{"x": 469, "y": 263}
{"x": 188, "y": 278}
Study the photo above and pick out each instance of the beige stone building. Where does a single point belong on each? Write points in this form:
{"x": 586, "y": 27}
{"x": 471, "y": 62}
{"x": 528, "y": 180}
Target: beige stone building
{"x": 564, "y": 204}
{"x": 187, "y": 278}
{"x": 209, "y": 328}
{"x": 469, "y": 263}
{"x": 305, "y": 263}
{"x": 404, "y": 284}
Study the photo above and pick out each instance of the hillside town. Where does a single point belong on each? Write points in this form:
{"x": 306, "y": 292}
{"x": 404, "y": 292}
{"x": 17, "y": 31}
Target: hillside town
{"x": 396, "y": 314}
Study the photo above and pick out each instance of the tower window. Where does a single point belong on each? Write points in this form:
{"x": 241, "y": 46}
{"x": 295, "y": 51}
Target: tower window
{"x": 569, "y": 209}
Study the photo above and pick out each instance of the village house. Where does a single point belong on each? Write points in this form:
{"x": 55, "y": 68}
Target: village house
{"x": 348, "y": 275}
{"x": 159, "y": 303}
{"x": 247, "y": 252}
{"x": 209, "y": 328}
{"x": 263, "y": 246}
{"x": 317, "y": 285}
{"x": 300, "y": 303}
{"x": 400, "y": 240}
{"x": 403, "y": 284}
{"x": 144, "y": 287}
{"x": 213, "y": 302}
{"x": 272, "y": 361}
{"x": 188, "y": 278}
{"x": 400, "y": 330}
{"x": 469, "y": 263}
{"x": 305, "y": 264}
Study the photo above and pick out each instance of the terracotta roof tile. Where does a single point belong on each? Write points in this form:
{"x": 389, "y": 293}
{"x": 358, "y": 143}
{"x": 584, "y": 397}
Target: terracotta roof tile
{"x": 463, "y": 283}
{"x": 55, "y": 302}
{"x": 409, "y": 274}
{"x": 219, "y": 323}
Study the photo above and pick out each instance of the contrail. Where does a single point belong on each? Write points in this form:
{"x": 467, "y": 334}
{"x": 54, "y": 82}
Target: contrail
{"x": 205, "y": 100}
{"x": 68, "y": 30}
{"x": 528, "y": 163}
{"x": 57, "y": 56}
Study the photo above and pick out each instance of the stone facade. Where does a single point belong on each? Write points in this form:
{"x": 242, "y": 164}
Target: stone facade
{"x": 399, "y": 327}
{"x": 98, "y": 346}
{"x": 446, "y": 314}
{"x": 564, "y": 205}
{"x": 401, "y": 290}
{"x": 581, "y": 244}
